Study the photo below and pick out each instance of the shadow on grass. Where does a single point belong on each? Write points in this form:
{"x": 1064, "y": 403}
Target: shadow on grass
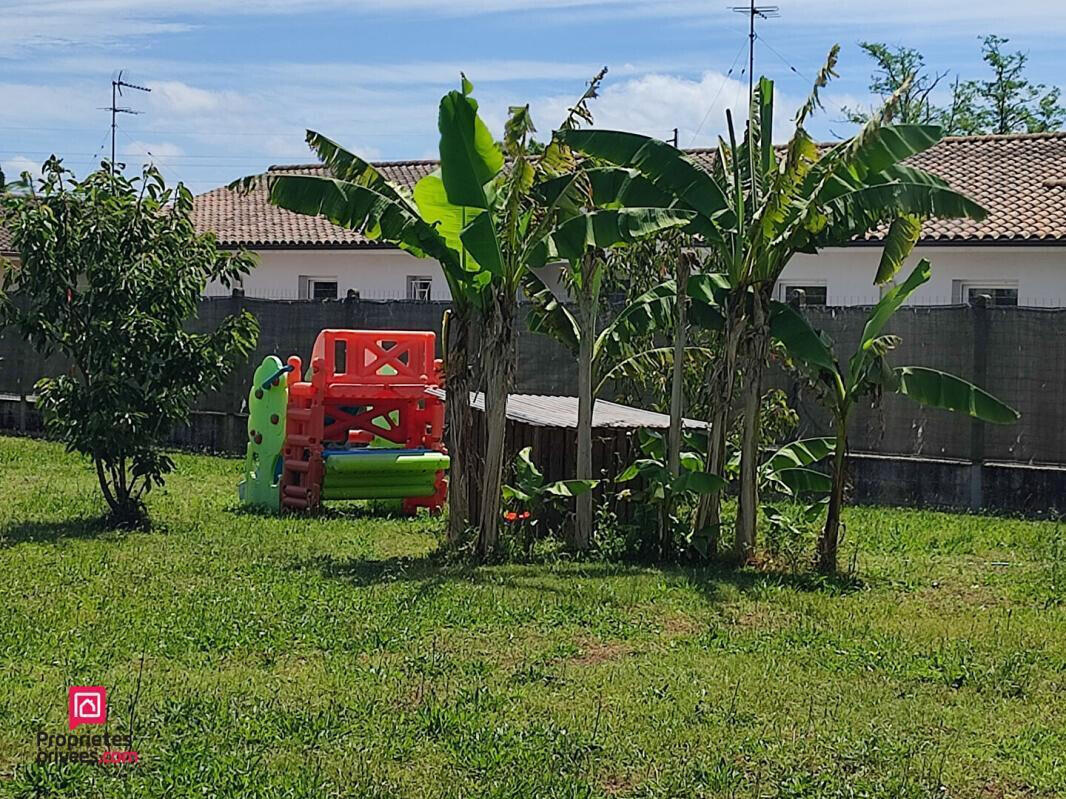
{"x": 435, "y": 570}
{"x": 87, "y": 527}
{"x": 352, "y": 512}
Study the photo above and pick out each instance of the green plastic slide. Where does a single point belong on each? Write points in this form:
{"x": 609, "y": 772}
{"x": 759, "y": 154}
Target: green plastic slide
{"x": 267, "y": 403}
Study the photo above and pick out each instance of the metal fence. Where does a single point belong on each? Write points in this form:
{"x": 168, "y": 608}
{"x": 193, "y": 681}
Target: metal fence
{"x": 1019, "y": 354}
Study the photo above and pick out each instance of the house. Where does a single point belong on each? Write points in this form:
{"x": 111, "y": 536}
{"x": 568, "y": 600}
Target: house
{"x": 303, "y": 257}
{"x": 1017, "y": 256}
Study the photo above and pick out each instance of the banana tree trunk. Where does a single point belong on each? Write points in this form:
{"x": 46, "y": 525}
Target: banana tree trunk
{"x": 677, "y": 395}
{"x": 720, "y": 384}
{"x": 748, "y": 501}
{"x": 830, "y": 538}
{"x": 582, "y": 532}
{"x": 677, "y": 382}
{"x": 498, "y": 367}
{"x": 457, "y": 410}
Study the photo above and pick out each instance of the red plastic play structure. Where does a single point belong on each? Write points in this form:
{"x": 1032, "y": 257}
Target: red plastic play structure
{"x": 365, "y": 386}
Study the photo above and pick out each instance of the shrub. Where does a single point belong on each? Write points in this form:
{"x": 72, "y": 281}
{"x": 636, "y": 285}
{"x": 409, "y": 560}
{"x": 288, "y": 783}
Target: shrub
{"x": 110, "y": 272}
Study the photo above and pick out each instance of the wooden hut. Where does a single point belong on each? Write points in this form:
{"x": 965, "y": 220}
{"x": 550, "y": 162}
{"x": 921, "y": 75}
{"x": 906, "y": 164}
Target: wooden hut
{"x": 548, "y": 424}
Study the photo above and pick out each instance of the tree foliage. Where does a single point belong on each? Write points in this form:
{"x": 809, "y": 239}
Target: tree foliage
{"x": 1006, "y": 102}
{"x": 894, "y": 66}
{"x": 110, "y": 273}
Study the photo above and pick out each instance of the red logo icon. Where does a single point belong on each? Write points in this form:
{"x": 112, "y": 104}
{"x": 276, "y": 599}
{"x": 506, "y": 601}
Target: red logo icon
{"x": 86, "y": 705}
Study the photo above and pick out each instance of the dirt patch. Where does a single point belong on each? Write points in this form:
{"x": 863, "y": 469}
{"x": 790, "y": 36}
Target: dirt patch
{"x": 995, "y": 789}
{"x": 761, "y": 616}
{"x": 681, "y": 627}
{"x": 592, "y": 652}
{"x": 618, "y": 785}
{"x": 960, "y": 594}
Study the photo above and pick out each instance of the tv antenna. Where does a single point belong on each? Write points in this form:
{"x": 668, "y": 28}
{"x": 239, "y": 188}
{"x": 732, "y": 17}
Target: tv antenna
{"x": 117, "y": 85}
{"x": 752, "y": 11}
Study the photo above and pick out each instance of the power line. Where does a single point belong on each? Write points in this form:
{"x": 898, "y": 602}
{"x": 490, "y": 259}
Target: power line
{"x": 783, "y": 60}
{"x": 223, "y": 159}
{"x": 710, "y": 107}
{"x": 295, "y": 130}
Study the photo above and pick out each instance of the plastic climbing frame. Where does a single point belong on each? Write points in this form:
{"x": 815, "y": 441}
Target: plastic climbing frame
{"x": 363, "y": 424}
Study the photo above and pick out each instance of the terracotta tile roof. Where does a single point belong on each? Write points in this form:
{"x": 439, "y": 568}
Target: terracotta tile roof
{"x": 1014, "y": 177}
{"x": 1019, "y": 178}
{"x": 251, "y": 221}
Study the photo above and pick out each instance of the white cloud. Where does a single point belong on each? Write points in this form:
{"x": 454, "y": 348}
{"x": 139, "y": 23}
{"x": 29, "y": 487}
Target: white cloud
{"x": 159, "y": 151}
{"x": 181, "y": 98}
{"x": 655, "y": 104}
{"x": 14, "y": 167}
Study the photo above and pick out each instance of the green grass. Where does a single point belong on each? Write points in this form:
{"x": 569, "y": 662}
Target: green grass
{"x": 328, "y": 657}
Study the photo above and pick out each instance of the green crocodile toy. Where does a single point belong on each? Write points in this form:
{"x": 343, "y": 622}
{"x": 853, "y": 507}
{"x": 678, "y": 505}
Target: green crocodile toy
{"x": 267, "y": 402}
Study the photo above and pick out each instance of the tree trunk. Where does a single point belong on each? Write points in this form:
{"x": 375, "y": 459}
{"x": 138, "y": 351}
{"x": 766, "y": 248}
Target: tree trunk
{"x": 830, "y": 538}
{"x": 126, "y": 509}
{"x": 498, "y": 366}
{"x": 677, "y": 395}
{"x": 720, "y": 384}
{"x": 677, "y": 381}
{"x": 457, "y": 409}
{"x": 582, "y": 532}
{"x": 748, "y": 501}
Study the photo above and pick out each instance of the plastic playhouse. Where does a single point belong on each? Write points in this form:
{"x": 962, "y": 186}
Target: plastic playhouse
{"x": 362, "y": 424}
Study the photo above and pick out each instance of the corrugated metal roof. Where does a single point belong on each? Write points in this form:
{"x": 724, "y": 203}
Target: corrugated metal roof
{"x": 542, "y": 410}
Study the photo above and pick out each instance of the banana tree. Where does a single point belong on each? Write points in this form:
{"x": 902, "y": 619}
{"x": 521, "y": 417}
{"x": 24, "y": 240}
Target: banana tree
{"x": 355, "y": 195}
{"x": 510, "y": 230}
{"x": 582, "y": 241}
{"x": 760, "y": 205}
{"x": 868, "y": 373}
{"x": 538, "y": 503}
{"x": 662, "y": 488}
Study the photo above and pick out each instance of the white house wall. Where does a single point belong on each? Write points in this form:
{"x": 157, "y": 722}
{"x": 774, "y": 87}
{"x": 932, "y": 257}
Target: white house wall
{"x": 377, "y": 274}
{"x": 1039, "y": 273}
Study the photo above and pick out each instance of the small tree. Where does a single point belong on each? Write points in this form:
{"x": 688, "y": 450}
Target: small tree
{"x": 868, "y": 373}
{"x": 111, "y": 271}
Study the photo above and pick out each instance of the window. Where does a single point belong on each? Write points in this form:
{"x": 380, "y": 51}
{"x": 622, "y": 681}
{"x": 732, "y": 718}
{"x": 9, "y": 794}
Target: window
{"x": 323, "y": 289}
{"x": 419, "y": 287}
{"x": 318, "y": 287}
{"x": 813, "y": 293}
{"x": 1003, "y": 293}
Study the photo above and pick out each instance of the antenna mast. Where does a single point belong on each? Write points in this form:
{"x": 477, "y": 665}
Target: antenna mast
{"x": 117, "y": 85}
{"x": 753, "y": 11}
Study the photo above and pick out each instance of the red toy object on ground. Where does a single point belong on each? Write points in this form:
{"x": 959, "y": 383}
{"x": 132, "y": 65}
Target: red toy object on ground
{"x": 363, "y": 386}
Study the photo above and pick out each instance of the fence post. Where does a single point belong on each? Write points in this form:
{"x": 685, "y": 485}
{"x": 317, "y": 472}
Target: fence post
{"x": 22, "y": 406}
{"x": 979, "y": 316}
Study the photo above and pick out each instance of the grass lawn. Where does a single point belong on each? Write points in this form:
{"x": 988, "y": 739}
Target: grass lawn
{"x": 328, "y": 657}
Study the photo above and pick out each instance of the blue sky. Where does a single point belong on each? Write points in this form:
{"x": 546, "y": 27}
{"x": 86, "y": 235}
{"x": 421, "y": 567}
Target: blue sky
{"x": 235, "y": 84}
